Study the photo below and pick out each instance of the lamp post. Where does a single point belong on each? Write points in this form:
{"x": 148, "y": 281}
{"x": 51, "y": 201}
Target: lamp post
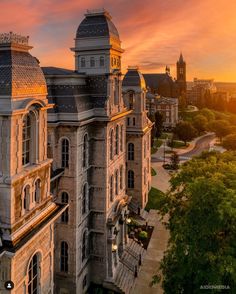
{"x": 164, "y": 156}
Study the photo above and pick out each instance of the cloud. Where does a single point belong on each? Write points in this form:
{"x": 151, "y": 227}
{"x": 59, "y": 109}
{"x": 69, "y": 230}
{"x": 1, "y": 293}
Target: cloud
{"x": 151, "y": 31}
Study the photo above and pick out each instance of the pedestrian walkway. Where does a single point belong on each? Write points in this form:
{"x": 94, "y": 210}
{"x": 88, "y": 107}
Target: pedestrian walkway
{"x": 158, "y": 242}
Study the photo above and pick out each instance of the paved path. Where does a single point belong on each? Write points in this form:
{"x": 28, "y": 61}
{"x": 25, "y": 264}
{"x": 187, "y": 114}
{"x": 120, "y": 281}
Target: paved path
{"x": 195, "y": 148}
{"x": 158, "y": 242}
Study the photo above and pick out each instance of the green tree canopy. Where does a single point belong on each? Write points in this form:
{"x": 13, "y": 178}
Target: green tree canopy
{"x": 185, "y": 131}
{"x": 200, "y": 123}
{"x": 158, "y": 123}
{"x": 208, "y": 114}
{"x": 201, "y": 207}
{"x": 229, "y": 142}
{"x": 220, "y": 127}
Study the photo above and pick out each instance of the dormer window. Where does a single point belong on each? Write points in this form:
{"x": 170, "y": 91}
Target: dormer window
{"x": 102, "y": 61}
{"x": 131, "y": 100}
{"x": 92, "y": 62}
{"x": 82, "y": 62}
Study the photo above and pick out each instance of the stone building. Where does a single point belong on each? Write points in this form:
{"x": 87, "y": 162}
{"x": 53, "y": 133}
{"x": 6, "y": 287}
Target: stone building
{"x": 168, "y": 107}
{"x": 98, "y": 167}
{"x": 165, "y": 85}
{"x": 89, "y": 140}
{"x": 27, "y": 209}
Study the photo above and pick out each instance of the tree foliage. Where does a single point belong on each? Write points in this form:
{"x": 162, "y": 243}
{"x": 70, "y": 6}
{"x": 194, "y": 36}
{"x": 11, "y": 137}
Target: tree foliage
{"x": 200, "y": 123}
{"x": 220, "y": 127}
{"x": 229, "y": 142}
{"x": 208, "y": 114}
{"x": 185, "y": 131}
{"x": 201, "y": 207}
{"x": 158, "y": 123}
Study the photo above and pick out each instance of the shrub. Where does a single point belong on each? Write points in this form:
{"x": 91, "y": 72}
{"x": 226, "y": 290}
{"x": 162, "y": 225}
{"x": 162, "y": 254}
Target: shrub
{"x": 143, "y": 235}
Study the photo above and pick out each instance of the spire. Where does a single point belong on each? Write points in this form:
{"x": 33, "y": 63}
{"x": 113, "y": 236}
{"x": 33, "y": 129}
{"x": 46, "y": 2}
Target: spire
{"x": 181, "y": 59}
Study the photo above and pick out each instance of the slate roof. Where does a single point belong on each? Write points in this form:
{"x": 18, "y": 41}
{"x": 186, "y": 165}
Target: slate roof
{"x": 50, "y": 70}
{"x": 153, "y": 81}
{"x": 133, "y": 77}
{"x": 20, "y": 74}
{"x": 97, "y": 25}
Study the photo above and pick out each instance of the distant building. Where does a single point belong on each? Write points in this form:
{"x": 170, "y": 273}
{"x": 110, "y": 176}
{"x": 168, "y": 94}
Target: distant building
{"x": 198, "y": 92}
{"x": 168, "y": 107}
{"x": 164, "y": 85}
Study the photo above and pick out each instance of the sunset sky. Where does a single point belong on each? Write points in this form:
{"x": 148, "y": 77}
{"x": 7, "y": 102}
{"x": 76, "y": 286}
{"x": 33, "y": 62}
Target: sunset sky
{"x": 153, "y": 32}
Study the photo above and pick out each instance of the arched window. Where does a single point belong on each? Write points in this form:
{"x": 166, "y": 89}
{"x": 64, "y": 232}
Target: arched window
{"x": 130, "y": 179}
{"x": 65, "y": 214}
{"x": 117, "y": 182}
{"x": 34, "y": 275}
{"x": 92, "y": 61}
{"x": 133, "y": 121}
{"x": 121, "y": 138}
{"x": 84, "y": 246}
{"x": 117, "y": 140}
{"x": 111, "y": 144}
{"x": 131, "y": 100}
{"x": 84, "y": 198}
{"x": 111, "y": 188}
{"x": 37, "y": 191}
{"x": 130, "y": 151}
{"x": 82, "y": 62}
{"x": 26, "y": 139}
{"x": 128, "y": 121}
{"x": 121, "y": 177}
{"x": 64, "y": 257}
{"x": 85, "y": 151}
{"x": 102, "y": 61}
{"x": 65, "y": 153}
{"x": 26, "y": 198}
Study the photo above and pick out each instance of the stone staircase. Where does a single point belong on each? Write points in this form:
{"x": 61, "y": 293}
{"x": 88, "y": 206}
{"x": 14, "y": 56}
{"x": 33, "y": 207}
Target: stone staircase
{"x": 128, "y": 268}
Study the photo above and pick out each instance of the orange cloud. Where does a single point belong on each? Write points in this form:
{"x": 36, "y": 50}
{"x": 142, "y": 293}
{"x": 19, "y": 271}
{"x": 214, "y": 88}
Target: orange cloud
{"x": 152, "y": 32}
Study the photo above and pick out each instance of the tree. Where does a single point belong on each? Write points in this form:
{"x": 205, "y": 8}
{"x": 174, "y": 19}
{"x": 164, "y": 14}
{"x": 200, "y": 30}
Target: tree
{"x": 229, "y": 142}
{"x": 208, "y": 114}
{"x": 220, "y": 127}
{"x": 158, "y": 123}
{"x": 200, "y": 123}
{"x": 185, "y": 131}
{"x": 201, "y": 209}
{"x": 174, "y": 160}
{"x": 182, "y": 102}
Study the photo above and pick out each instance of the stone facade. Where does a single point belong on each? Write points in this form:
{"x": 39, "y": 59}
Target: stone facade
{"x": 27, "y": 212}
{"x": 77, "y": 153}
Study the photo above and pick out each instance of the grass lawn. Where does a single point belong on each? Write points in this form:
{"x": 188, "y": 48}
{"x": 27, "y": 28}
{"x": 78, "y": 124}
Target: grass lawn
{"x": 179, "y": 144}
{"x": 153, "y": 172}
{"x": 155, "y": 199}
{"x": 157, "y": 143}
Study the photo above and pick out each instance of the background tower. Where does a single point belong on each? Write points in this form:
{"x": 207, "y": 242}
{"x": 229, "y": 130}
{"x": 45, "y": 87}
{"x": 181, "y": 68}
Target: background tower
{"x": 181, "y": 75}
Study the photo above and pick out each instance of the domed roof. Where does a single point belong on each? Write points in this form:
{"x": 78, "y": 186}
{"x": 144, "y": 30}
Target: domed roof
{"x": 134, "y": 78}
{"x": 20, "y": 73}
{"x": 97, "y": 23}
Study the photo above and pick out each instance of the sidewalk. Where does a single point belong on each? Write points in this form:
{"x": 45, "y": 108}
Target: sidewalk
{"x": 158, "y": 242}
{"x": 179, "y": 151}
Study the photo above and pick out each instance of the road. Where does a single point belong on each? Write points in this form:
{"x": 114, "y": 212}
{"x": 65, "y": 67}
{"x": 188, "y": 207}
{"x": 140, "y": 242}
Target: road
{"x": 201, "y": 145}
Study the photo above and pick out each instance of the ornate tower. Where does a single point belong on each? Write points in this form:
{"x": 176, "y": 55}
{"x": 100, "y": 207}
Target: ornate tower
{"x": 181, "y": 75}
{"x": 97, "y": 47}
{"x": 27, "y": 212}
{"x": 87, "y": 131}
{"x": 138, "y": 137}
